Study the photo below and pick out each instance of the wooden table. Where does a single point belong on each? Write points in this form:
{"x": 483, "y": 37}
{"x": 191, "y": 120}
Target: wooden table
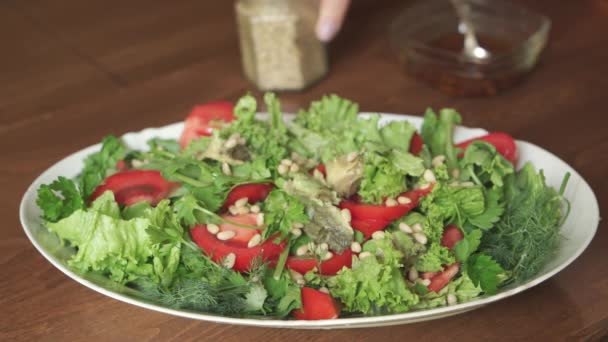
{"x": 73, "y": 71}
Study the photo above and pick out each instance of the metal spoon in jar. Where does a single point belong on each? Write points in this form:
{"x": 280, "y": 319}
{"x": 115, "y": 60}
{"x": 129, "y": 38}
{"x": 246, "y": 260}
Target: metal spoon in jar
{"x": 471, "y": 47}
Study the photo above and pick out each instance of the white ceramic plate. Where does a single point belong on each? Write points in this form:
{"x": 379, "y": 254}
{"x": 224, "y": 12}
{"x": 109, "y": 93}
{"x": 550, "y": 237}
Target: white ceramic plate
{"x": 577, "y": 231}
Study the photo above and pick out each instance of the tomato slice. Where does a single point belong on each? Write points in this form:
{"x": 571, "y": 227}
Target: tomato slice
{"x": 416, "y": 144}
{"x": 360, "y": 211}
{"x": 218, "y": 250}
{"x": 130, "y": 187}
{"x": 203, "y": 119}
{"x": 368, "y": 227}
{"x": 451, "y": 235}
{"x": 440, "y": 280}
{"x": 504, "y": 143}
{"x": 243, "y": 235}
{"x": 316, "y": 305}
{"x": 329, "y": 267}
{"x": 256, "y": 192}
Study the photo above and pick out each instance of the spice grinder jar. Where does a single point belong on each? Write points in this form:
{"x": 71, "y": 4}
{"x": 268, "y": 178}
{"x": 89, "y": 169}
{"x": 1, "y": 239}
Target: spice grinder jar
{"x": 279, "y": 48}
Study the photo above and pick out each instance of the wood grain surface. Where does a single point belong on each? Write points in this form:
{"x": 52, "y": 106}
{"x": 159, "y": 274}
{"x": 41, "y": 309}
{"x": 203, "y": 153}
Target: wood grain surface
{"x": 73, "y": 71}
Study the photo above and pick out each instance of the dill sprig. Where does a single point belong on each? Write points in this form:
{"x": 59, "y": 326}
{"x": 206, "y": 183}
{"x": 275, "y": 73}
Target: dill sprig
{"x": 527, "y": 235}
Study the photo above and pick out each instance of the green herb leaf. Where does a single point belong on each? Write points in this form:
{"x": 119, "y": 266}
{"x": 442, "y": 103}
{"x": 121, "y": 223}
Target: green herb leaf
{"x": 484, "y": 272}
{"x": 59, "y": 199}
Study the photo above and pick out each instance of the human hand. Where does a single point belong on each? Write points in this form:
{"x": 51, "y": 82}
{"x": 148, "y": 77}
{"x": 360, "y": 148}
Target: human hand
{"x": 331, "y": 16}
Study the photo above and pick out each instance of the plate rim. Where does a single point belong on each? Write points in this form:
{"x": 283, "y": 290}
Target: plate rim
{"x": 352, "y": 322}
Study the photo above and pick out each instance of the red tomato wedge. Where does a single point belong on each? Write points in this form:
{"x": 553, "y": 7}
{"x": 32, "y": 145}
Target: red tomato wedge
{"x": 329, "y": 267}
{"x": 368, "y": 227}
{"x": 243, "y": 235}
{"x": 218, "y": 250}
{"x": 416, "y": 144}
{"x": 254, "y": 192}
{"x": 130, "y": 187}
{"x": 504, "y": 143}
{"x": 316, "y": 305}
{"x": 360, "y": 211}
{"x": 451, "y": 235}
{"x": 204, "y": 118}
{"x": 440, "y": 280}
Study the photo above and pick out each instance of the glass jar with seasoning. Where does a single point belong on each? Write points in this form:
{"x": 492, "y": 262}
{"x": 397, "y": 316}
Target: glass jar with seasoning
{"x": 279, "y": 48}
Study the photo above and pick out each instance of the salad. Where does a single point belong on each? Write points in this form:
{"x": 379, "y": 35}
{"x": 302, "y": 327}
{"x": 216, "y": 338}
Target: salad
{"x": 325, "y": 216}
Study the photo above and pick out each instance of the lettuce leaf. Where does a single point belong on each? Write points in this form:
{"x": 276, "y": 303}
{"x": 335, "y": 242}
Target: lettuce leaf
{"x": 374, "y": 284}
{"x": 437, "y": 133}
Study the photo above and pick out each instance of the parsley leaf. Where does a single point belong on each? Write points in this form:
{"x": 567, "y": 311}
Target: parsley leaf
{"x": 281, "y": 212}
{"x": 484, "y": 272}
{"x": 100, "y": 165}
{"x": 59, "y": 199}
{"x": 467, "y": 246}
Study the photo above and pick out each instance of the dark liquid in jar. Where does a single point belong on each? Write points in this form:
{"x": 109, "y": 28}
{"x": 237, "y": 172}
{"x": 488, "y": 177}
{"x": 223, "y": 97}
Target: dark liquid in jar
{"x": 467, "y": 79}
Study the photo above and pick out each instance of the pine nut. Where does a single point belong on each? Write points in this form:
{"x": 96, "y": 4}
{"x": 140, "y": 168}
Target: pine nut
{"x": 451, "y": 299}
{"x": 420, "y": 237}
{"x": 296, "y": 232}
{"x": 294, "y": 168}
{"x": 225, "y": 235}
{"x": 298, "y": 225}
{"x": 255, "y": 209}
{"x": 378, "y": 235}
{"x": 259, "y": 220}
{"x": 364, "y": 255}
{"x": 425, "y": 282}
{"x": 229, "y": 260}
{"x": 230, "y": 143}
{"x": 241, "y": 202}
{"x": 233, "y": 210}
{"x": 429, "y": 176}
{"x": 213, "y": 228}
{"x": 226, "y": 169}
{"x": 417, "y": 228}
{"x": 287, "y": 162}
{"x": 390, "y": 202}
{"x": 404, "y": 200}
{"x": 254, "y": 241}
{"x": 283, "y": 169}
{"x": 456, "y": 173}
{"x": 302, "y": 250}
{"x": 346, "y": 215}
{"x": 438, "y": 160}
{"x": 404, "y": 227}
{"x": 355, "y": 247}
{"x": 352, "y": 156}
{"x": 324, "y": 289}
{"x": 328, "y": 255}
{"x": 412, "y": 274}
{"x": 297, "y": 277}
{"x": 243, "y": 210}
